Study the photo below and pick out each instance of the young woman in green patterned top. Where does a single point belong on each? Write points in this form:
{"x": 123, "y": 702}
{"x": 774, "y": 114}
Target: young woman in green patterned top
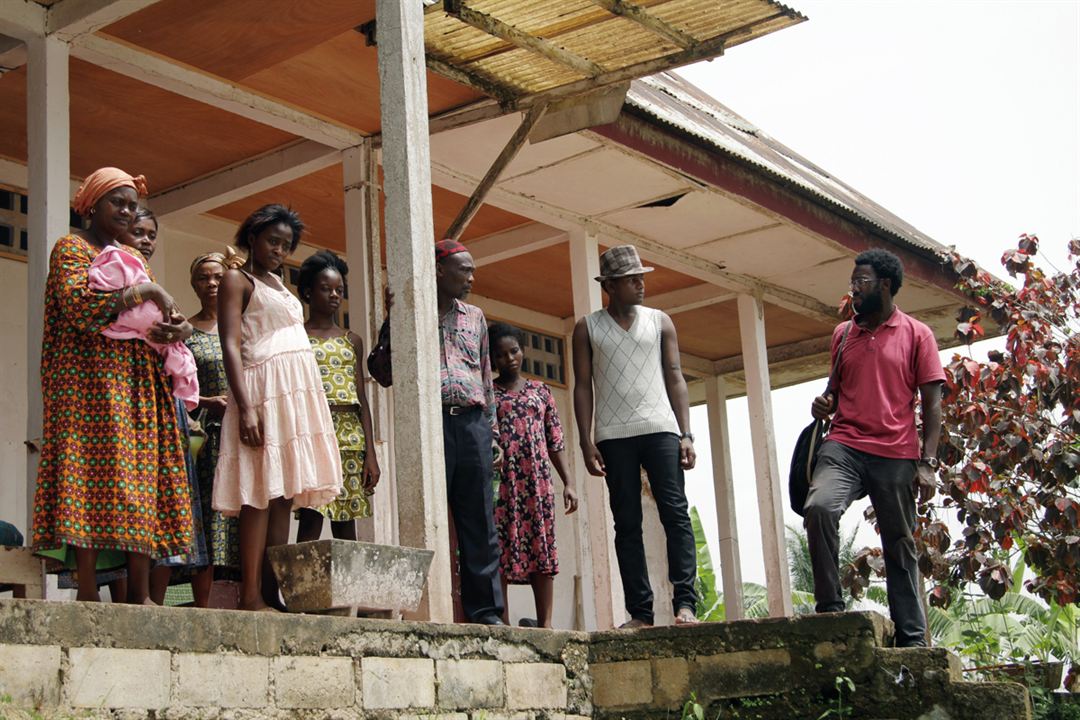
{"x": 340, "y": 354}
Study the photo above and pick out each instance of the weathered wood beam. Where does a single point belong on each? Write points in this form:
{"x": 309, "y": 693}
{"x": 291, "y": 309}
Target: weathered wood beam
{"x": 650, "y": 22}
{"x": 695, "y": 366}
{"x": 650, "y": 249}
{"x": 496, "y": 27}
{"x": 69, "y": 19}
{"x": 22, "y": 19}
{"x": 244, "y": 179}
{"x": 521, "y": 240}
{"x": 183, "y": 80}
{"x": 778, "y": 354}
{"x": 508, "y": 312}
{"x": 509, "y": 152}
{"x": 690, "y": 298}
{"x": 467, "y": 78}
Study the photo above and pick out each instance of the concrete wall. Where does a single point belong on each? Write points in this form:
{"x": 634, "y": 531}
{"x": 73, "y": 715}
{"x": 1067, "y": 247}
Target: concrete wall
{"x": 98, "y": 660}
{"x": 13, "y": 500}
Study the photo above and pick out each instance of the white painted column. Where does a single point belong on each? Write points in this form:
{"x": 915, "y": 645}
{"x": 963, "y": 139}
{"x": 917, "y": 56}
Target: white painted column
{"x": 420, "y": 468}
{"x": 770, "y": 509}
{"x": 724, "y": 490}
{"x": 48, "y": 151}
{"x": 360, "y": 178}
{"x": 594, "y": 526}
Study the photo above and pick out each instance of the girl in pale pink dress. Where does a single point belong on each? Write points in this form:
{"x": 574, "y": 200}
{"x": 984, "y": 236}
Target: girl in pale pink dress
{"x": 278, "y": 448}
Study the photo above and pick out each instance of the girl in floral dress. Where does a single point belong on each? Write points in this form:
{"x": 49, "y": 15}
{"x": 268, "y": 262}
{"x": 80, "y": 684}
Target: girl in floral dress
{"x": 322, "y": 286}
{"x": 530, "y": 435}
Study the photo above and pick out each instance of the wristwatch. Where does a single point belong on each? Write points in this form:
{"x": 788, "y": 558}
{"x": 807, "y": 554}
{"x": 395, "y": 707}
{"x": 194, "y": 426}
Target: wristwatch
{"x": 932, "y": 462}
{"x": 687, "y": 436}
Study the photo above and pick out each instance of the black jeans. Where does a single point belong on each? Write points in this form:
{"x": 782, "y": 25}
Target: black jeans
{"x": 467, "y": 446}
{"x": 840, "y": 477}
{"x": 658, "y": 453}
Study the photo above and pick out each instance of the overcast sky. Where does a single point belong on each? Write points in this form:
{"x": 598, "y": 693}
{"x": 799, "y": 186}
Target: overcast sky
{"x": 963, "y": 118}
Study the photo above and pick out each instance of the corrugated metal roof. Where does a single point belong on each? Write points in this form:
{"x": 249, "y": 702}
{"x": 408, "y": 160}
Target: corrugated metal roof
{"x": 514, "y": 49}
{"x": 674, "y": 101}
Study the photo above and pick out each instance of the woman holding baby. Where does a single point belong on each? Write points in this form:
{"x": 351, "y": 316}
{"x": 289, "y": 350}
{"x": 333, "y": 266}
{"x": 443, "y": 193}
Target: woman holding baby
{"x": 112, "y": 486}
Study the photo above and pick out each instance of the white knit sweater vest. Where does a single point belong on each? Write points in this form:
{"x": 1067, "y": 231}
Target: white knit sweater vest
{"x": 628, "y": 378}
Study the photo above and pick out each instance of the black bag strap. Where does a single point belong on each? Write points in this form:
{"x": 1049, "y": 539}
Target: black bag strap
{"x": 839, "y": 354}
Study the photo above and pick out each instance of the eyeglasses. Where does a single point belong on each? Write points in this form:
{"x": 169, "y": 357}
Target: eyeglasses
{"x": 861, "y": 283}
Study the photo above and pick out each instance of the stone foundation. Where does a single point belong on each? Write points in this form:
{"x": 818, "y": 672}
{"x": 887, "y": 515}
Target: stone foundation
{"x": 786, "y": 669}
{"x": 115, "y": 661}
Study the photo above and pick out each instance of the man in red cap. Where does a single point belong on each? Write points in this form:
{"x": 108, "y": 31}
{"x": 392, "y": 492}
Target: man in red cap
{"x": 626, "y": 358}
{"x": 468, "y": 404}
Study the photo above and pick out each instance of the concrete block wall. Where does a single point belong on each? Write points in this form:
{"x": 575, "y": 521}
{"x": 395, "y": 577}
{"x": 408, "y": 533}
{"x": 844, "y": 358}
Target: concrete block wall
{"x": 132, "y": 662}
{"x": 115, "y": 661}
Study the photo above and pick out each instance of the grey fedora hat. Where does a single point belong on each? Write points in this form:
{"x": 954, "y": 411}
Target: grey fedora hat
{"x": 621, "y": 261}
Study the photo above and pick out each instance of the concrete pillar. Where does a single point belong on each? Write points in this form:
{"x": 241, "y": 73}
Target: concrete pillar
{"x": 48, "y": 150}
{"x": 770, "y": 508}
{"x": 420, "y": 469}
{"x": 594, "y": 527}
{"x": 724, "y": 489}
{"x": 362, "y": 250}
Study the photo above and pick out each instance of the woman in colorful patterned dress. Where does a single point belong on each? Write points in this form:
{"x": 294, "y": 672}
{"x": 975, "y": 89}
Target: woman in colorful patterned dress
{"x": 222, "y": 533}
{"x": 530, "y": 435}
{"x": 278, "y": 448}
{"x": 112, "y": 485}
{"x": 322, "y": 286}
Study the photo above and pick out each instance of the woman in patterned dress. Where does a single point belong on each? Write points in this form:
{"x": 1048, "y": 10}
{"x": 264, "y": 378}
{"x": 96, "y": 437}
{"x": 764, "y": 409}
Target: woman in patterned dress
{"x": 530, "y": 435}
{"x": 112, "y": 485}
{"x": 222, "y": 533}
{"x": 322, "y": 286}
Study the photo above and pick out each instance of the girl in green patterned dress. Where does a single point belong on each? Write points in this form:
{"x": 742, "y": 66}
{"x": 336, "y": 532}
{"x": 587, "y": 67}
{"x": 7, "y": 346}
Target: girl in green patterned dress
{"x": 339, "y": 353}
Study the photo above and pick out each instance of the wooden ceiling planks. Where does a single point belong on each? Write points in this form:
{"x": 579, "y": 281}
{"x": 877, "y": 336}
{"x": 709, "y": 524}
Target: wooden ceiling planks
{"x": 539, "y": 281}
{"x": 712, "y": 332}
{"x": 351, "y": 96}
{"x": 119, "y": 121}
{"x": 239, "y": 38}
{"x": 320, "y": 200}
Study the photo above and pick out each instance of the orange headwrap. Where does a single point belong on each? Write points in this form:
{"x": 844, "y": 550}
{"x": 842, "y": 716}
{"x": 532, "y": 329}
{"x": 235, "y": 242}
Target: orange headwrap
{"x": 102, "y": 181}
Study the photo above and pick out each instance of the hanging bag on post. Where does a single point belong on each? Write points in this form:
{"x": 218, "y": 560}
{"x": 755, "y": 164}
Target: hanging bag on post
{"x": 807, "y": 446}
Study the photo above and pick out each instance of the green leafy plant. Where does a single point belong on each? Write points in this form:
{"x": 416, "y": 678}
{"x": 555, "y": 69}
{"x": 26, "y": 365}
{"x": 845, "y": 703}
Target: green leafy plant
{"x": 710, "y": 607}
{"x": 840, "y": 710}
{"x": 692, "y": 709}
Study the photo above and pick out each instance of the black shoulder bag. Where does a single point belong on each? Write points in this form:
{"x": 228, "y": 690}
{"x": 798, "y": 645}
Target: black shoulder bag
{"x": 807, "y": 446}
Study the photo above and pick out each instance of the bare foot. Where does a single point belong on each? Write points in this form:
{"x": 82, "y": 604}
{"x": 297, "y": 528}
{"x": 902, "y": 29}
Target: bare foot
{"x": 686, "y": 616}
{"x": 634, "y": 624}
{"x": 256, "y": 606}
{"x": 150, "y": 602}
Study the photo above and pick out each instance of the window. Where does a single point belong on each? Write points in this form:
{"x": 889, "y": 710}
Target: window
{"x": 14, "y": 230}
{"x": 544, "y": 357}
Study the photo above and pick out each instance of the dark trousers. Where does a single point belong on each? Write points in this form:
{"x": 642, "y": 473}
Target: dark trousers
{"x": 841, "y": 476}
{"x": 467, "y": 446}
{"x": 658, "y": 453}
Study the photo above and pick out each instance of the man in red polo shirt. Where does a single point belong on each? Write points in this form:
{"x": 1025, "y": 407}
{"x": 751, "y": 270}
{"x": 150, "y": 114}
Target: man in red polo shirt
{"x": 873, "y": 447}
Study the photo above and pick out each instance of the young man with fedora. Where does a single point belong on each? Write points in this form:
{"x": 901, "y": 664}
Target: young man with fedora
{"x": 626, "y": 366}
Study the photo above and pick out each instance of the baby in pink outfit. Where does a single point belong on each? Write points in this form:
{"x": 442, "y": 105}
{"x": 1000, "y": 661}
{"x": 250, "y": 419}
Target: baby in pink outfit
{"x": 115, "y": 269}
